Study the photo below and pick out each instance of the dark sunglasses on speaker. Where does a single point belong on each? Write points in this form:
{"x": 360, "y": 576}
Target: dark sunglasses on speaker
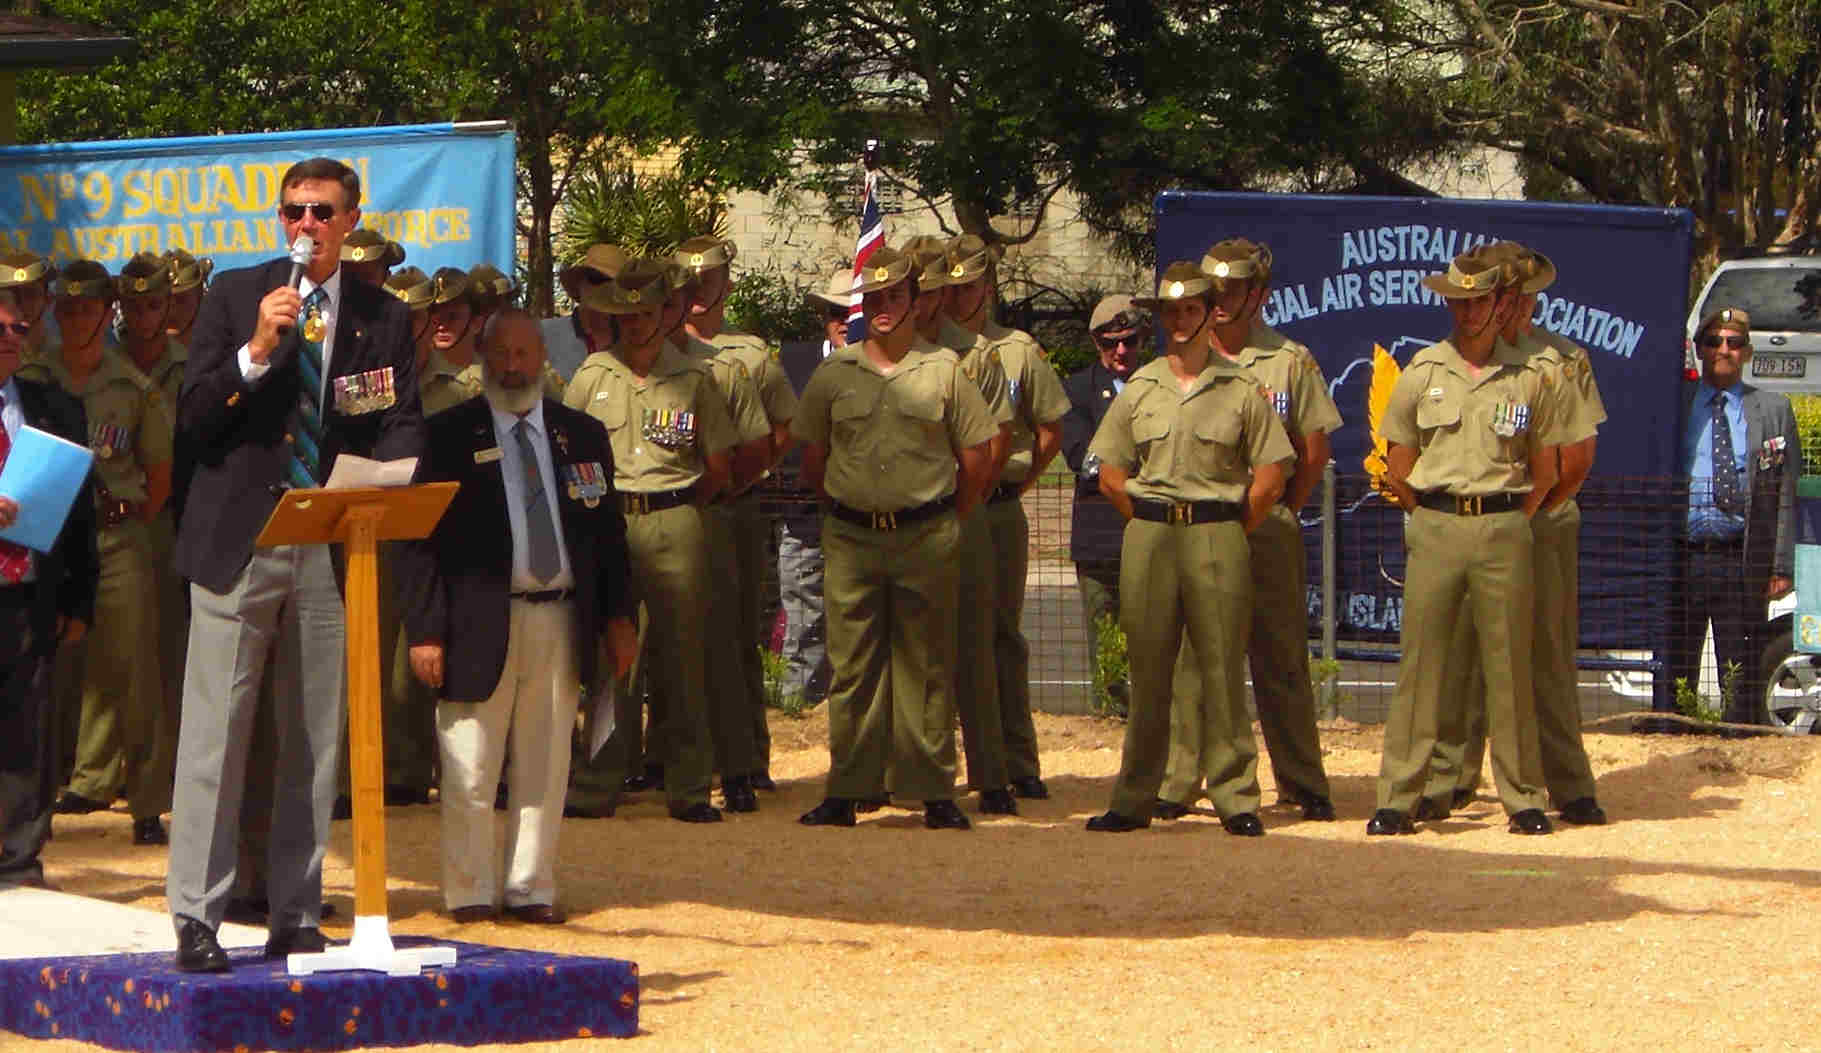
{"x": 294, "y": 210}
{"x": 17, "y": 328}
{"x": 1714, "y": 340}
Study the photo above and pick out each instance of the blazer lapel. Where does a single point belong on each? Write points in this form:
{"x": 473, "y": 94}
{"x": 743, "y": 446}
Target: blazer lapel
{"x": 1754, "y": 434}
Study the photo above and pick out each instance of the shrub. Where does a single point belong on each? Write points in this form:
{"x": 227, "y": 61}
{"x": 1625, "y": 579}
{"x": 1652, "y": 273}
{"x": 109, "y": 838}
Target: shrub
{"x": 1112, "y": 671}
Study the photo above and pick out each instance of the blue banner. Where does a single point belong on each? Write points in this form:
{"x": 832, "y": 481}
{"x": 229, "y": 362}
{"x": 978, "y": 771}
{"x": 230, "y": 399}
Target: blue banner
{"x": 443, "y": 191}
{"x": 1346, "y": 281}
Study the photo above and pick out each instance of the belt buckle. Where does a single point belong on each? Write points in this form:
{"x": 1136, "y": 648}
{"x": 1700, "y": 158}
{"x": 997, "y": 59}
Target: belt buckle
{"x": 885, "y": 520}
{"x": 638, "y": 504}
{"x": 1467, "y": 506}
{"x": 1182, "y": 513}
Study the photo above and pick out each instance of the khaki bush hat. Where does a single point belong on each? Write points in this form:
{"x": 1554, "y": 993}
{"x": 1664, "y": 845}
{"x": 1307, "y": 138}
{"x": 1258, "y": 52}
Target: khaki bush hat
{"x": 1237, "y": 258}
{"x": 83, "y": 278}
{"x": 145, "y": 274}
{"x": 187, "y": 271}
{"x": 450, "y": 284}
{"x": 411, "y": 286}
{"x": 366, "y": 245}
{"x": 489, "y": 286}
{"x": 886, "y": 268}
{"x": 969, "y": 257}
{"x": 1730, "y": 317}
{"x": 601, "y": 259}
{"x": 642, "y": 285}
{"x": 679, "y": 276}
{"x": 1529, "y": 270}
{"x": 24, "y": 268}
{"x": 1470, "y": 276}
{"x": 834, "y": 294}
{"x": 1116, "y": 314}
{"x": 701, "y": 253}
{"x": 929, "y": 258}
{"x": 1181, "y": 280}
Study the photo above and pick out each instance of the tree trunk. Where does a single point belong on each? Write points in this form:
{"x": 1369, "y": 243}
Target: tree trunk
{"x": 540, "y": 291}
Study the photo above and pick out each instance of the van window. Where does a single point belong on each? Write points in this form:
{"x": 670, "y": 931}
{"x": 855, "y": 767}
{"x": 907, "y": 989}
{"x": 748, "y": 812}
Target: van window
{"x": 1777, "y": 298}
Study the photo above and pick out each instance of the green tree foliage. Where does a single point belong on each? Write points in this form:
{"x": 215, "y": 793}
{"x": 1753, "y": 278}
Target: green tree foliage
{"x": 645, "y": 215}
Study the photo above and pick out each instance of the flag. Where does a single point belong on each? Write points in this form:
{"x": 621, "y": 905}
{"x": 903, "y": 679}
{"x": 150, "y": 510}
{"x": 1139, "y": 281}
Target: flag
{"x": 872, "y": 236}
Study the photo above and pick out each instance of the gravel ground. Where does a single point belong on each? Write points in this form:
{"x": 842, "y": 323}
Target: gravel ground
{"x": 1690, "y": 923}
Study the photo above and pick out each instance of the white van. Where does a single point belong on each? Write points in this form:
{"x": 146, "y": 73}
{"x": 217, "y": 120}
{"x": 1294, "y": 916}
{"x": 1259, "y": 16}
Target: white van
{"x": 1782, "y": 294}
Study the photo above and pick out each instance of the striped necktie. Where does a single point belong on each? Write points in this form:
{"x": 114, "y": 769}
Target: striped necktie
{"x": 306, "y": 445}
{"x": 543, "y": 559}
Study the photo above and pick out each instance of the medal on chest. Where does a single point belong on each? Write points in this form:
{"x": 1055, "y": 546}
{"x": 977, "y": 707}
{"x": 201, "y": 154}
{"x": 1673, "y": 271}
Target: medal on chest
{"x": 365, "y": 392}
{"x": 671, "y": 429}
{"x": 585, "y": 482}
{"x": 1510, "y": 418}
{"x": 313, "y": 327}
{"x": 1280, "y": 402}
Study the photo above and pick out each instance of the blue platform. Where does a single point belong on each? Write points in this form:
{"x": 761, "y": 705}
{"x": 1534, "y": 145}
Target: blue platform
{"x": 491, "y": 995}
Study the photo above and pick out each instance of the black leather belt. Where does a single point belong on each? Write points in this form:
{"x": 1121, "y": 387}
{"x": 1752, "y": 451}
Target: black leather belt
{"x": 1004, "y": 492}
{"x": 544, "y": 595}
{"x": 638, "y": 504}
{"x": 1438, "y": 501}
{"x": 1185, "y": 513}
{"x": 891, "y": 520}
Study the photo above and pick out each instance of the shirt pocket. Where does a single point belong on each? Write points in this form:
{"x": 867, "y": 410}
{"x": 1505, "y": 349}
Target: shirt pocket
{"x": 1218, "y": 445}
{"x": 916, "y": 425}
{"x": 1149, "y": 431}
{"x": 609, "y": 407}
{"x": 1433, "y": 418}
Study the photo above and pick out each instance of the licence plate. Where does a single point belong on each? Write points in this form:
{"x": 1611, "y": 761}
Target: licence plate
{"x": 1779, "y": 366}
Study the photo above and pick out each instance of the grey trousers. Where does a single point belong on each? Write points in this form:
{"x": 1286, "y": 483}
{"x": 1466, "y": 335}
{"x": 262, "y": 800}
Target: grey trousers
{"x": 800, "y": 592}
{"x": 285, "y": 607}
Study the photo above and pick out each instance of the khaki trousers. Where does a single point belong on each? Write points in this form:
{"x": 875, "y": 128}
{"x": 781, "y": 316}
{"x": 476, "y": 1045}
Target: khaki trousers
{"x": 1011, "y": 652}
{"x": 730, "y": 695}
{"x": 976, "y": 676}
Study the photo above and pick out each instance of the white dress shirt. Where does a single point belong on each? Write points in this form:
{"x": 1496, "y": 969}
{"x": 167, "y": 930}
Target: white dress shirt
{"x": 331, "y": 306}
{"x": 512, "y": 469}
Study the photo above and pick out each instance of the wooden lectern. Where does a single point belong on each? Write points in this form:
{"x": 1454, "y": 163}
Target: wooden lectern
{"x": 360, "y": 519}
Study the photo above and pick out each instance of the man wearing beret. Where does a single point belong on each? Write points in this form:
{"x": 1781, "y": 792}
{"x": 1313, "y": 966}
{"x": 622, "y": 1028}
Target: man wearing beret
{"x": 1742, "y": 456}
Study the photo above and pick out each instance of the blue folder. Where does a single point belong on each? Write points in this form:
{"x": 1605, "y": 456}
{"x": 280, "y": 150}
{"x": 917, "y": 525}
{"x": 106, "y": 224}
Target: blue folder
{"x": 43, "y": 474}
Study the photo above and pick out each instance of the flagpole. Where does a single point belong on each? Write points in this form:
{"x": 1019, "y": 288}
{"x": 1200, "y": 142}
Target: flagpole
{"x": 872, "y": 235}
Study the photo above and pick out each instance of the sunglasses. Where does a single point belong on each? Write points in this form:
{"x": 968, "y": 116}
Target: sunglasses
{"x": 16, "y": 328}
{"x": 1715, "y": 340}
{"x": 294, "y": 210}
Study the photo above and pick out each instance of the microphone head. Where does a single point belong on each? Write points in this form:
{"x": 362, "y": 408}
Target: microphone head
{"x": 301, "y": 249}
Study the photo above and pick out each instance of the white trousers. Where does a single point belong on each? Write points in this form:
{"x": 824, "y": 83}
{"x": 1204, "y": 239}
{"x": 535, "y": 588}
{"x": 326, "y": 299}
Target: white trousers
{"x": 534, "y": 708}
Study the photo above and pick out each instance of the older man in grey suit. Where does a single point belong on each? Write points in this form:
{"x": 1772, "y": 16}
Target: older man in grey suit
{"x": 1742, "y": 456}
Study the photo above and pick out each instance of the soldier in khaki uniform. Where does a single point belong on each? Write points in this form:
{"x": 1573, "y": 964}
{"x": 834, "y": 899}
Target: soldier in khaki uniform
{"x": 671, "y": 448}
{"x": 110, "y": 680}
{"x": 1193, "y": 456}
{"x": 446, "y": 379}
{"x": 413, "y": 288}
{"x": 28, "y": 276}
{"x": 189, "y": 278}
{"x": 976, "y": 680}
{"x": 1038, "y": 406}
{"x": 884, "y": 426}
{"x": 711, "y": 260}
{"x": 1556, "y": 529}
{"x": 369, "y": 257}
{"x": 1279, "y": 648}
{"x": 1471, "y": 451}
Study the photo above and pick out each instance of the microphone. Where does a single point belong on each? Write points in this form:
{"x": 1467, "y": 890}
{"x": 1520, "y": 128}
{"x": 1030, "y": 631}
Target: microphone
{"x": 301, "y": 250}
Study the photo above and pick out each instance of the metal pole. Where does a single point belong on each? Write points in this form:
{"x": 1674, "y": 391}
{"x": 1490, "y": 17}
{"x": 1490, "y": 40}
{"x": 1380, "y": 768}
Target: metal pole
{"x": 1330, "y": 617}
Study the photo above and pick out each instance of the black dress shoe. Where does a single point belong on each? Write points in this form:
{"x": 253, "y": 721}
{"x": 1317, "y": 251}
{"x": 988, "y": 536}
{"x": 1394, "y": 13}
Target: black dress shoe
{"x": 405, "y": 796}
{"x": 1318, "y": 809}
{"x": 872, "y": 804}
{"x": 762, "y": 781}
{"x": 944, "y": 815}
{"x": 737, "y": 795}
{"x": 474, "y": 913}
{"x": 1115, "y": 823}
{"x": 652, "y": 778}
{"x": 1245, "y": 824}
{"x": 1530, "y": 821}
{"x": 1389, "y": 821}
{"x": 589, "y": 811}
{"x": 1584, "y": 811}
{"x": 536, "y": 914}
{"x": 197, "y": 949}
{"x": 1463, "y": 798}
{"x": 1032, "y": 787}
{"x": 149, "y": 831}
{"x": 833, "y": 811}
{"x": 1430, "y": 810}
{"x": 301, "y": 939}
{"x": 71, "y": 803}
{"x": 699, "y": 812}
{"x": 1168, "y": 809}
{"x": 997, "y": 802}
{"x": 343, "y": 809}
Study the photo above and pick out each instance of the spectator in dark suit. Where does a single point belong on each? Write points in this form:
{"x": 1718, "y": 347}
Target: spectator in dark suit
{"x": 279, "y": 382}
{"x": 800, "y": 521}
{"x": 1122, "y": 335}
{"x": 45, "y": 597}
{"x": 507, "y": 604}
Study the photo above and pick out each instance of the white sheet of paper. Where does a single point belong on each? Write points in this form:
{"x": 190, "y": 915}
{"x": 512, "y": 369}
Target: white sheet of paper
{"x": 351, "y": 472}
{"x": 600, "y": 721}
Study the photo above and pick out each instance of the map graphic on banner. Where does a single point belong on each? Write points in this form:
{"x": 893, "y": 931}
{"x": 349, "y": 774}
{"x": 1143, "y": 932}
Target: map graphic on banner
{"x": 1347, "y": 281}
{"x": 443, "y": 191}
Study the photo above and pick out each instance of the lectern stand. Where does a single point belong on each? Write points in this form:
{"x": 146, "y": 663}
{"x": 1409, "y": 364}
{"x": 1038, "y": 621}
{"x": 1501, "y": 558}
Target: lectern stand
{"x": 360, "y": 519}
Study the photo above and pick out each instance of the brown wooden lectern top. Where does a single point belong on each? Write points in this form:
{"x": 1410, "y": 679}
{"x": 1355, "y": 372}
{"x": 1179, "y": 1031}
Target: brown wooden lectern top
{"x": 315, "y": 517}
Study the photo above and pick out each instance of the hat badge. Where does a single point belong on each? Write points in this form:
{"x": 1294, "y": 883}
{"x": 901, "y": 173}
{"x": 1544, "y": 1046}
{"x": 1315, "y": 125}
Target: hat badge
{"x": 19, "y": 274}
{"x": 881, "y": 273}
{"x": 632, "y": 296}
{"x": 400, "y": 294}
{"x": 1221, "y": 269}
{"x": 358, "y": 255}
{"x": 695, "y": 259}
{"x": 139, "y": 285}
{"x": 957, "y": 271}
{"x": 1175, "y": 290}
{"x": 1726, "y": 315}
{"x": 1468, "y": 281}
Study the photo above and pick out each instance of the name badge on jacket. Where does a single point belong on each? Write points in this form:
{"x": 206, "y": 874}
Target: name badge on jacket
{"x": 585, "y": 482}
{"x": 365, "y": 392}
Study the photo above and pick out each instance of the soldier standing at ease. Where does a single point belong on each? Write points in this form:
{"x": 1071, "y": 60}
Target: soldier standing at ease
{"x": 1471, "y": 452}
{"x": 567, "y": 338}
{"x": 1193, "y": 456}
{"x": 27, "y": 276}
{"x": 1279, "y": 647}
{"x": 110, "y": 680}
{"x": 368, "y": 256}
{"x": 1038, "y": 406}
{"x": 671, "y": 438}
{"x": 446, "y": 379}
{"x": 897, "y": 440}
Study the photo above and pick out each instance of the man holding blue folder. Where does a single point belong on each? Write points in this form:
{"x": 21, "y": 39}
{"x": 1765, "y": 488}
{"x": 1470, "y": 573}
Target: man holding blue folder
{"x": 43, "y": 596}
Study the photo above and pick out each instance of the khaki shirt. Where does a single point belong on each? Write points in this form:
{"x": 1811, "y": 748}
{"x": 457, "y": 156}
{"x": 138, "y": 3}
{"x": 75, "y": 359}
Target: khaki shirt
{"x": 167, "y": 373}
{"x": 1196, "y": 446}
{"x": 892, "y": 438}
{"x": 471, "y": 377}
{"x": 1473, "y": 436}
{"x": 1583, "y": 409}
{"x": 442, "y": 384}
{"x": 1292, "y": 381}
{"x": 775, "y": 392}
{"x": 730, "y": 376}
{"x": 1032, "y": 388}
{"x": 130, "y": 423}
{"x": 662, "y": 427}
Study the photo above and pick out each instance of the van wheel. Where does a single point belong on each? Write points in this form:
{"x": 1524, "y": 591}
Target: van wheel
{"x": 1792, "y": 687}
